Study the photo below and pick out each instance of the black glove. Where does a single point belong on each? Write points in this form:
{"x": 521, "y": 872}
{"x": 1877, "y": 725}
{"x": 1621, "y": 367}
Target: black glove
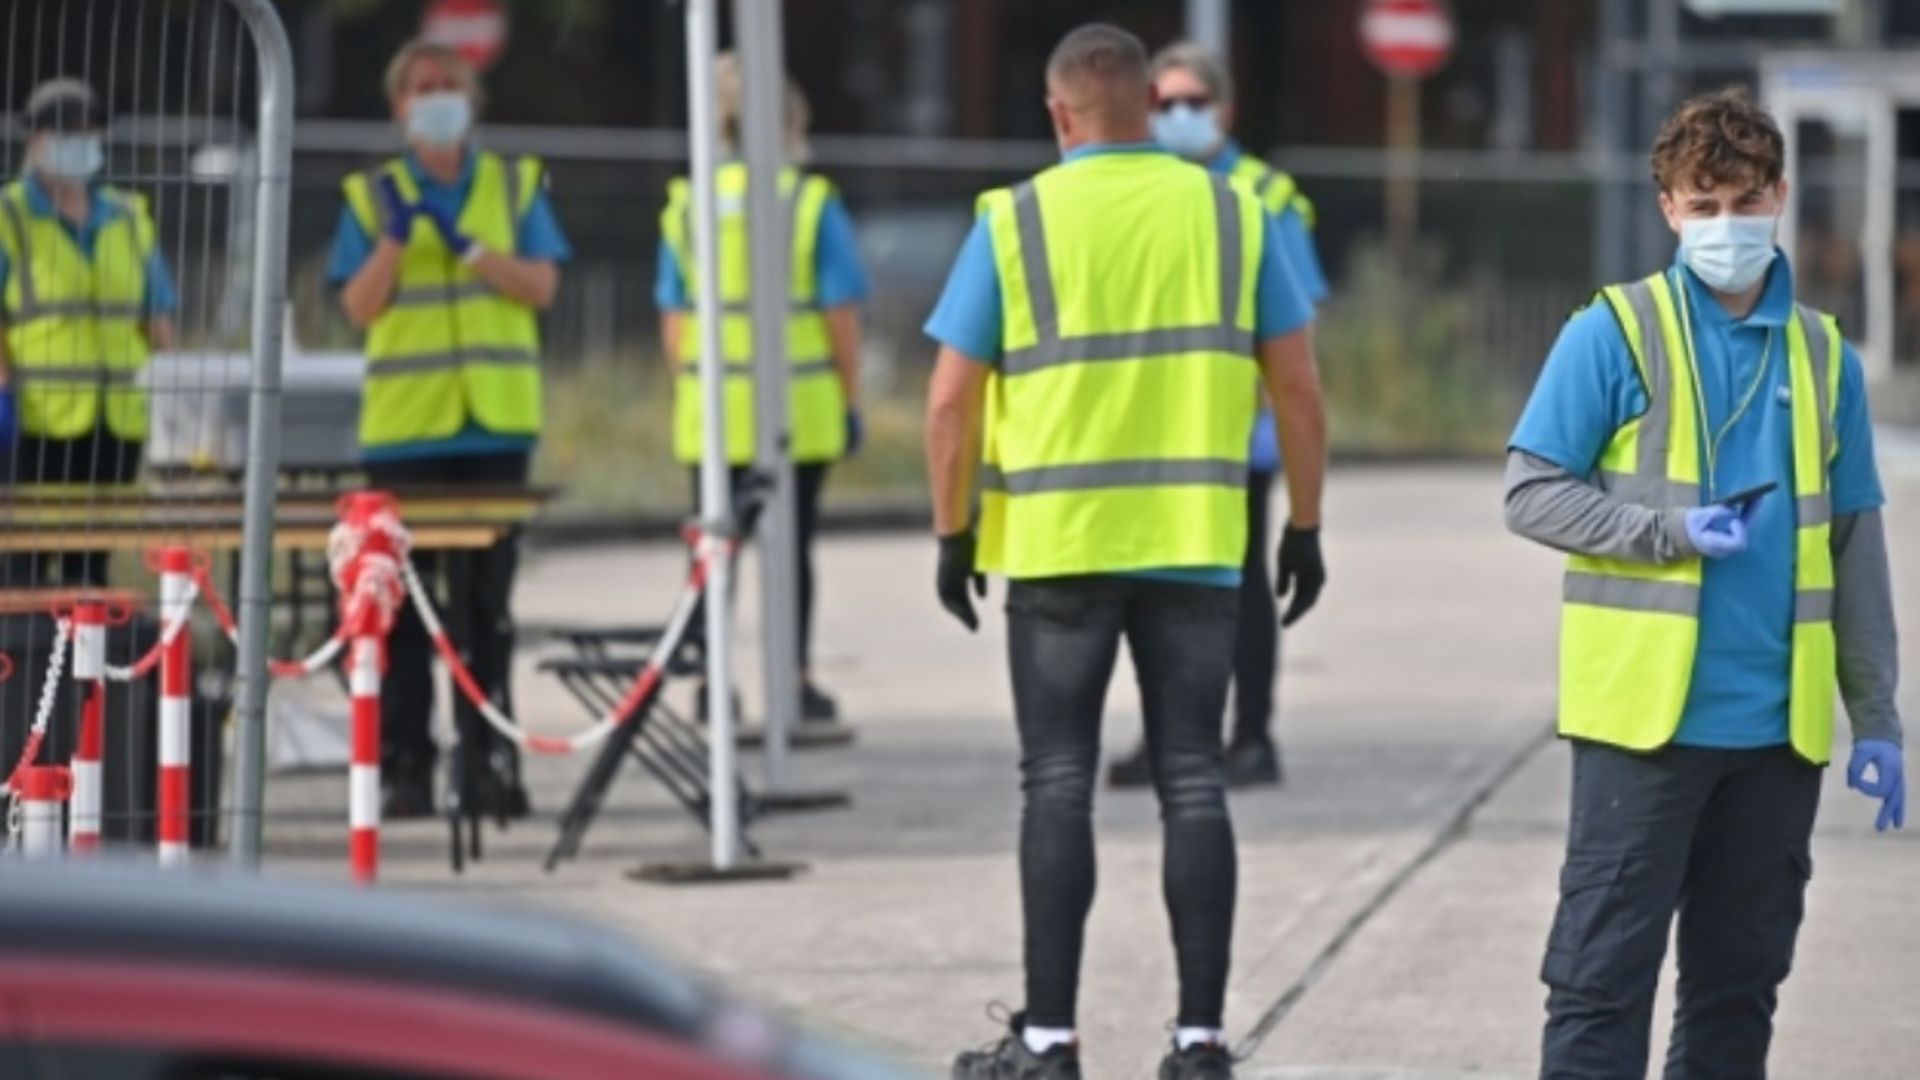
{"x": 955, "y": 574}
{"x": 1301, "y": 572}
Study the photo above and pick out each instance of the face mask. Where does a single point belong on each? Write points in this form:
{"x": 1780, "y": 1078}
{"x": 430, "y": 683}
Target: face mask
{"x": 72, "y": 157}
{"x": 440, "y": 119}
{"x": 1727, "y": 252}
{"x": 1187, "y": 131}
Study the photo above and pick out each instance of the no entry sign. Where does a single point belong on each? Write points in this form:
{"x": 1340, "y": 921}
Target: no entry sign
{"x": 1407, "y": 39}
{"x": 476, "y": 28}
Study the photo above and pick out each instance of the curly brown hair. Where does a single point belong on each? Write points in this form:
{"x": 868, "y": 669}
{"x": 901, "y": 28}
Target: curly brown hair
{"x": 1720, "y": 138}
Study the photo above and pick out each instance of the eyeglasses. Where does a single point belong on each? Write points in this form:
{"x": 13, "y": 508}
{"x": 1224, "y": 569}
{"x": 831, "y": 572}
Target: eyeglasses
{"x": 1195, "y": 102}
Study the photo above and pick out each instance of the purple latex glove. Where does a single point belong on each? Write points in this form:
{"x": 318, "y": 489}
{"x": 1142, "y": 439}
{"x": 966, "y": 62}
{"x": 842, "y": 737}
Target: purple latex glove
{"x": 856, "y": 432}
{"x": 1889, "y": 783}
{"x": 457, "y": 242}
{"x": 1716, "y": 531}
{"x": 396, "y": 213}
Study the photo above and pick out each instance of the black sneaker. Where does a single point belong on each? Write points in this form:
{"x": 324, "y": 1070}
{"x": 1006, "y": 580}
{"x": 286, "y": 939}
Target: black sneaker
{"x": 406, "y": 790}
{"x": 1009, "y": 1059}
{"x": 1133, "y": 771}
{"x": 816, "y": 707}
{"x": 1254, "y": 763}
{"x": 1201, "y": 1061}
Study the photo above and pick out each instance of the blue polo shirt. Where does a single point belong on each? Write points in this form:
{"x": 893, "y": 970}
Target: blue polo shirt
{"x": 1589, "y": 388}
{"x": 539, "y": 238}
{"x": 1297, "y": 238}
{"x": 968, "y": 316}
{"x": 160, "y": 299}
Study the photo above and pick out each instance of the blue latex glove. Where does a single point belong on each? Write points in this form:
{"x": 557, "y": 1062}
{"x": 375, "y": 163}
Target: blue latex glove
{"x": 1889, "y": 783}
{"x": 457, "y": 242}
{"x": 9, "y": 419}
{"x": 856, "y": 432}
{"x": 1716, "y": 531}
{"x": 395, "y": 211}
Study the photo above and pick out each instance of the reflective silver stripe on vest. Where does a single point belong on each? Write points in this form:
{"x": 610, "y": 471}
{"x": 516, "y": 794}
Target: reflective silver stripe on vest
{"x": 1207, "y": 472}
{"x": 1656, "y": 424}
{"x": 1656, "y": 491}
{"x": 425, "y": 362}
{"x": 68, "y": 374}
{"x": 1820, "y": 359}
{"x": 1813, "y": 605}
{"x": 1813, "y": 510}
{"x": 1265, "y": 184}
{"x": 744, "y": 369}
{"x": 20, "y": 234}
{"x": 511, "y": 166}
{"x": 1631, "y": 594}
{"x": 794, "y": 307}
{"x": 452, "y": 292}
{"x": 83, "y": 309}
{"x": 1049, "y": 348}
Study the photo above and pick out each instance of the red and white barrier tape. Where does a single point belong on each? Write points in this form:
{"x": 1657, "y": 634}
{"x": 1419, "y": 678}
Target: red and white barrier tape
{"x": 170, "y": 630}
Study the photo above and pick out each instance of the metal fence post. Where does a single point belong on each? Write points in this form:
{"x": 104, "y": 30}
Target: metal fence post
{"x": 263, "y": 419}
{"x": 763, "y": 70}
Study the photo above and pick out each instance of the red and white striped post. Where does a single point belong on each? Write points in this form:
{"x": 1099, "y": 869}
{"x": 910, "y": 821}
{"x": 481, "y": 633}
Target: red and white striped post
{"x": 89, "y": 673}
{"x": 42, "y": 788}
{"x": 363, "y": 770}
{"x": 176, "y": 704}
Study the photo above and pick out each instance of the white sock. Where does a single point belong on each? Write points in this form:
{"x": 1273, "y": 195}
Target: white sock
{"x": 1040, "y": 1039}
{"x": 1186, "y": 1037}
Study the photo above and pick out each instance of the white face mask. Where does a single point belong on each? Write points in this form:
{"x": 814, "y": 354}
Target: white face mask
{"x": 440, "y": 119}
{"x": 71, "y": 157}
{"x": 1728, "y": 252}
{"x": 1192, "y": 133}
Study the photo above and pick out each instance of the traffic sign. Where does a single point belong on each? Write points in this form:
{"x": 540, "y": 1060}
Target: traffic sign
{"x": 1407, "y": 39}
{"x": 477, "y": 29}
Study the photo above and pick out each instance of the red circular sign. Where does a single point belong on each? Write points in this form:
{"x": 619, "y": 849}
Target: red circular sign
{"x": 477, "y": 29}
{"x": 1408, "y": 39}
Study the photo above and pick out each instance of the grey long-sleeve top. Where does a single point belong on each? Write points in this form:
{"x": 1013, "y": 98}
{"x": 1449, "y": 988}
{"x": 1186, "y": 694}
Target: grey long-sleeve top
{"x": 1551, "y": 506}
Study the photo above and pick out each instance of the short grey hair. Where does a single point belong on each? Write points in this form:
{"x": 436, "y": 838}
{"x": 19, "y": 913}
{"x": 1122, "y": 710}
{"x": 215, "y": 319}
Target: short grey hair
{"x": 1204, "y": 63}
{"x": 1099, "y": 52}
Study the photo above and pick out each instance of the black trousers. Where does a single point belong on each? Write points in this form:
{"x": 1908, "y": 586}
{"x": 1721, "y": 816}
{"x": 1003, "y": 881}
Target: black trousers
{"x": 1256, "y": 647}
{"x": 474, "y": 589}
{"x": 1063, "y": 636}
{"x": 1721, "y": 836}
{"x": 98, "y": 458}
{"x": 809, "y": 480}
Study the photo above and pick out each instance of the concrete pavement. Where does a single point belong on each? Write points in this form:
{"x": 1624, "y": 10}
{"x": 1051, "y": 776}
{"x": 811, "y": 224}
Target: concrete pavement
{"x": 1394, "y": 895}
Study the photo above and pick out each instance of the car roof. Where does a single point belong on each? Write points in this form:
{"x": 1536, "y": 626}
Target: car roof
{"x": 116, "y": 908}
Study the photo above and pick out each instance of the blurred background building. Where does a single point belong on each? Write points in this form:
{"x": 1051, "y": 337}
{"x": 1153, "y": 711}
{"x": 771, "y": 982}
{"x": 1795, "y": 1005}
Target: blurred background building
{"x": 1532, "y": 179}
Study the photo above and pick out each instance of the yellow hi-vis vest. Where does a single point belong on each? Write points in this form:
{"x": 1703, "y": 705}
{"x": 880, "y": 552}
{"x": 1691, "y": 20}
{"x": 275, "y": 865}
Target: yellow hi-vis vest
{"x": 448, "y": 348}
{"x": 73, "y": 321}
{"x": 1277, "y": 191}
{"x": 816, "y": 402}
{"x": 1629, "y": 631}
{"x": 1119, "y": 415}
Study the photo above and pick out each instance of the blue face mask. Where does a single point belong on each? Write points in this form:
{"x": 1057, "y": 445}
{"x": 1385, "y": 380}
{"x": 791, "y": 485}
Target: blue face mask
{"x": 1728, "y": 252}
{"x": 440, "y": 119}
{"x": 72, "y": 157}
{"x": 1192, "y": 133}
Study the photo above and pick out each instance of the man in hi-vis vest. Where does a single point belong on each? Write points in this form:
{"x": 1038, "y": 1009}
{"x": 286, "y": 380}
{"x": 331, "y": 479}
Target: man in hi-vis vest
{"x": 1699, "y": 445}
{"x": 85, "y": 297}
{"x": 1110, "y": 321}
{"x": 446, "y": 255}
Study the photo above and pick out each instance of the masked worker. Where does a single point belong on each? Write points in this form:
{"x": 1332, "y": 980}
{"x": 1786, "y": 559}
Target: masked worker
{"x": 446, "y": 255}
{"x": 1116, "y": 371}
{"x": 1194, "y": 114}
{"x": 826, "y": 289}
{"x": 87, "y": 298}
{"x": 1699, "y": 445}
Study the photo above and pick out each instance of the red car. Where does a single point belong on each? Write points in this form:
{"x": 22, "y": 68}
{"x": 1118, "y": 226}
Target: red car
{"x": 112, "y": 973}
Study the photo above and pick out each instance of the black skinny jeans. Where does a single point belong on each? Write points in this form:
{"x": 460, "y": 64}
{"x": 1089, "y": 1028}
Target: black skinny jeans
{"x": 1063, "y": 636}
{"x": 97, "y": 458}
{"x": 474, "y": 589}
{"x": 1256, "y": 648}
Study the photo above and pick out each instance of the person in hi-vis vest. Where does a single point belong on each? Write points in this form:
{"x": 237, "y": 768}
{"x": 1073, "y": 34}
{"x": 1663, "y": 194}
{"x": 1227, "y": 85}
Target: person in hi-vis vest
{"x": 1700, "y": 447}
{"x": 1193, "y": 118}
{"x": 446, "y": 255}
{"x": 85, "y": 297}
{"x": 825, "y": 290}
{"x": 1104, "y": 335}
